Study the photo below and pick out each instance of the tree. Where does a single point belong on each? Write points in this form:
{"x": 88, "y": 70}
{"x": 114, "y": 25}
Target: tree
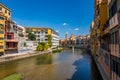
{"x": 42, "y": 46}
{"x": 31, "y": 36}
{"x": 46, "y": 46}
{"x": 39, "y": 47}
{"x": 50, "y": 40}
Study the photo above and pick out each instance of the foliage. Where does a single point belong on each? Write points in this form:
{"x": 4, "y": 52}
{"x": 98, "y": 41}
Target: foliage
{"x": 31, "y": 36}
{"x": 39, "y": 47}
{"x": 14, "y": 77}
{"x": 25, "y": 44}
{"x": 42, "y": 46}
{"x": 46, "y": 46}
{"x": 50, "y": 40}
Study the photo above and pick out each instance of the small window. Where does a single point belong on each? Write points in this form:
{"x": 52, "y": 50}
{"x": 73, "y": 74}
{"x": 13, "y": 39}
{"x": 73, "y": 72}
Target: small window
{"x": 1, "y": 18}
{"x": 1, "y": 39}
{"x": 1, "y": 47}
{"x": 1, "y": 32}
{"x": 5, "y": 11}
{"x": 0, "y": 8}
{"x": 9, "y": 13}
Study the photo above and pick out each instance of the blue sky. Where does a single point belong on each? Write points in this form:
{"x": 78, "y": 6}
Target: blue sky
{"x": 72, "y": 16}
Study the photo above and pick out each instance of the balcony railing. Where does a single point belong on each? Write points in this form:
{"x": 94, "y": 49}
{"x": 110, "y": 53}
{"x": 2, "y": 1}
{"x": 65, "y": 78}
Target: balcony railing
{"x": 10, "y": 48}
{"x": 105, "y": 47}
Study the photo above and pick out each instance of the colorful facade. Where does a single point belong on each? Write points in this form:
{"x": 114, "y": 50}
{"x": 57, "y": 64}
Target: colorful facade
{"x": 105, "y": 38}
{"x": 9, "y": 30}
{"x": 114, "y": 11}
{"x": 5, "y": 11}
{"x": 11, "y": 42}
{"x": 2, "y": 27}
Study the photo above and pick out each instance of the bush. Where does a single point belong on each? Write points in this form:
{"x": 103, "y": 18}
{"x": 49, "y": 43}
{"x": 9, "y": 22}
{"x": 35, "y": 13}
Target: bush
{"x": 42, "y": 46}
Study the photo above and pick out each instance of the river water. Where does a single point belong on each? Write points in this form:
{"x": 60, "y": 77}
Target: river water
{"x": 66, "y": 65}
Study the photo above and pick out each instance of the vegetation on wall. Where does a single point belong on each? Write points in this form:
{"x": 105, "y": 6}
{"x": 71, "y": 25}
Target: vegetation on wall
{"x": 25, "y": 44}
{"x": 50, "y": 40}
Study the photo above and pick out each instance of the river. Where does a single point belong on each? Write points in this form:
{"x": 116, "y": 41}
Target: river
{"x": 66, "y": 65}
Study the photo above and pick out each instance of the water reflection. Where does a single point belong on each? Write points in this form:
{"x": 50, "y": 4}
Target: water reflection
{"x": 44, "y": 59}
{"x": 82, "y": 71}
{"x": 61, "y": 66}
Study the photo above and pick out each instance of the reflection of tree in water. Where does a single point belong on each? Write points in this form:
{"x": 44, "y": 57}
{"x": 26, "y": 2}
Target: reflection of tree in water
{"x": 44, "y": 59}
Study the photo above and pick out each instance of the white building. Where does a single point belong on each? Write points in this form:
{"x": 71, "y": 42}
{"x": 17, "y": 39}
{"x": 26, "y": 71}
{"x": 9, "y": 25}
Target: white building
{"x": 42, "y": 35}
{"x": 55, "y": 39}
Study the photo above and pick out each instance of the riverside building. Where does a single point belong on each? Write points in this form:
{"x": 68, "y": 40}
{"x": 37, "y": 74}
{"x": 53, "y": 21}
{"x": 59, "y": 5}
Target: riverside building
{"x": 9, "y": 43}
{"x": 42, "y": 35}
{"x": 105, "y": 34}
{"x": 2, "y": 27}
{"x": 114, "y": 20}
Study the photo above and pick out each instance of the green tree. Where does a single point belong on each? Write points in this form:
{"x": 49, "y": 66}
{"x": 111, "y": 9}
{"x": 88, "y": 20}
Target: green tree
{"x": 39, "y": 47}
{"x": 42, "y": 46}
{"x": 50, "y": 40}
{"x": 46, "y": 46}
{"x": 31, "y": 36}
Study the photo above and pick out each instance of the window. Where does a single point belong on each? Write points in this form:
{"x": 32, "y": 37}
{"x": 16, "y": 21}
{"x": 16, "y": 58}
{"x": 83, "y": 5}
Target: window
{"x": 1, "y": 18}
{"x": 115, "y": 65}
{"x": 119, "y": 69}
{"x": 5, "y": 11}
{"x": 1, "y": 47}
{"x": 1, "y": 38}
{"x": 115, "y": 37}
{"x": 1, "y": 32}
{"x": 113, "y": 9}
{"x": 0, "y": 8}
{"x": 9, "y": 13}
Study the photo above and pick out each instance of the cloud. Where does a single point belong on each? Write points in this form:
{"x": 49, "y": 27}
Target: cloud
{"x": 76, "y": 29}
{"x": 65, "y": 24}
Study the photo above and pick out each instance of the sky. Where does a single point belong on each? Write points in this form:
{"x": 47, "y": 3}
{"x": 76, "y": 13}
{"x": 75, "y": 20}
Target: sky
{"x": 72, "y": 16}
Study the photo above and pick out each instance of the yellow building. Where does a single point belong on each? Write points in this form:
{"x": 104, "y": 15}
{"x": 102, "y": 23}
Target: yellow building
{"x": 5, "y": 11}
{"x": 5, "y": 14}
{"x": 2, "y": 27}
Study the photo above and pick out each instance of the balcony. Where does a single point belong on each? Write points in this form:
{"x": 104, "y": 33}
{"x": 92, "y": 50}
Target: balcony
{"x": 11, "y": 45}
{"x": 114, "y": 21}
{"x": 11, "y": 48}
{"x": 105, "y": 47}
{"x": 11, "y": 40}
